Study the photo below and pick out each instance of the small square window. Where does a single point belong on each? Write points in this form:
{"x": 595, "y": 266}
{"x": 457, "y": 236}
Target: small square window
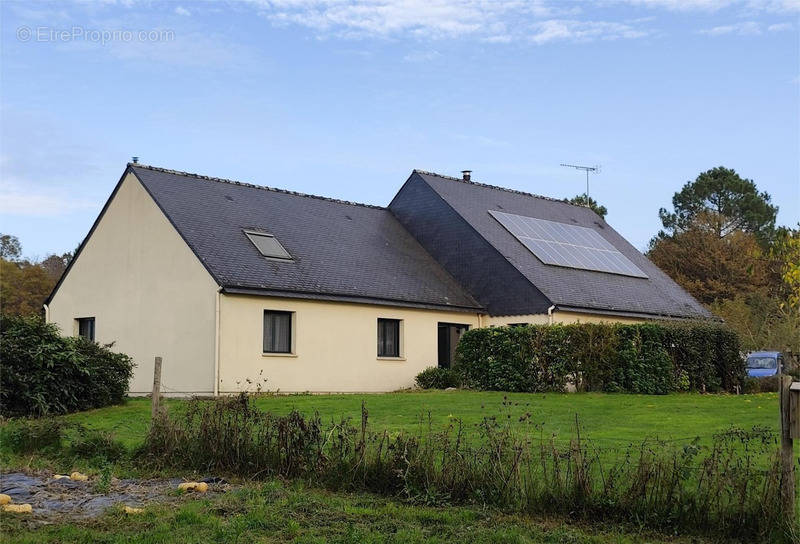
{"x": 277, "y": 332}
{"x": 268, "y": 245}
{"x": 86, "y": 327}
{"x": 388, "y": 337}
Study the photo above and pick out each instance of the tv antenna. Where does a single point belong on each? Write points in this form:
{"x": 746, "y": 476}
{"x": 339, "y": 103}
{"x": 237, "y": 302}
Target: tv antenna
{"x": 595, "y": 169}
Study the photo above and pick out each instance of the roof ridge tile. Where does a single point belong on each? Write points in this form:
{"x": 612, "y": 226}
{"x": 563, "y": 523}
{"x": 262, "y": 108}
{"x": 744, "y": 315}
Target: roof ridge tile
{"x": 506, "y": 189}
{"x": 252, "y": 185}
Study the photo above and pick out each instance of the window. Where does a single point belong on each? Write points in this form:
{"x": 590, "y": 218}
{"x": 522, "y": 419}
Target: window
{"x": 277, "y": 332}
{"x": 86, "y": 327}
{"x": 762, "y": 362}
{"x": 268, "y": 245}
{"x": 388, "y": 338}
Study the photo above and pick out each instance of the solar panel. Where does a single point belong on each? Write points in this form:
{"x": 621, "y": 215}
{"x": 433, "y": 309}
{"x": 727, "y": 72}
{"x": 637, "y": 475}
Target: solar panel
{"x": 572, "y": 246}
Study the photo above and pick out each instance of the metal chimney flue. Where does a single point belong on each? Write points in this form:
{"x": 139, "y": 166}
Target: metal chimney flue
{"x": 466, "y": 174}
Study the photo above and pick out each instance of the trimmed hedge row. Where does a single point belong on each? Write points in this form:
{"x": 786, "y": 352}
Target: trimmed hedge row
{"x": 651, "y": 358}
{"x": 46, "y": 373}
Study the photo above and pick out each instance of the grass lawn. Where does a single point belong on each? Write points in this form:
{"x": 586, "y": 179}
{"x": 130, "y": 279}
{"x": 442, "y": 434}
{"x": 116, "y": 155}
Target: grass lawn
{"x": 608, "y": 419}
{"x": 279, "y": 512}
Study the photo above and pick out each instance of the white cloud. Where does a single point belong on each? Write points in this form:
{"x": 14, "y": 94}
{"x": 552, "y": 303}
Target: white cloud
{"x": 746, "y": 28}
{"x": 780, "y": 27}
{"x": 582, "y": 31}
{"x": 491, "y": 21}
{"x": 488, "y": 21}
{"x": 774, "y": 6}
{"x": 24, "y": 199}
{"x": 682, "y": 5}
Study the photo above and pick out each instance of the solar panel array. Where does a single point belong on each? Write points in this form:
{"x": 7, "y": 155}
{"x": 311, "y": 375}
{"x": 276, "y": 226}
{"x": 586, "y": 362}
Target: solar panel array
{"x": 567, "y": 245}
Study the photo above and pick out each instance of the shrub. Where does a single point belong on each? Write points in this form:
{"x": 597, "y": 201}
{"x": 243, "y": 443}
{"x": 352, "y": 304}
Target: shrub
{"x": 751, "y": 386}
{"x": 651, "y": 358}
{"x": 728, "y": 487}
{"x": 94, "y": 444}
{"x": 769, "y": 384}
{"x": 46, "y": 373}
{"x": 45, "y": 435}
{"x": 438, "y": 378}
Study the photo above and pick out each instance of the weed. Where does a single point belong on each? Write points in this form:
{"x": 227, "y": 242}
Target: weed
{"x": 45, "y": 435}
{"x": 722, "y": 489}
{"x": 103, "y": 482}
{"x": 93, "y": 444}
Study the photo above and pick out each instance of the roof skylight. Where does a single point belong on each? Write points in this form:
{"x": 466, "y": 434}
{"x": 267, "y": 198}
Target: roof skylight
{"x": 268, "y": 245}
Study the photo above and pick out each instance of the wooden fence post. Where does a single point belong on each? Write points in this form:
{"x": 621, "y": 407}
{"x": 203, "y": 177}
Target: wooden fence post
{"x": 156, "y": 387}
{"x": 787, "y": 450}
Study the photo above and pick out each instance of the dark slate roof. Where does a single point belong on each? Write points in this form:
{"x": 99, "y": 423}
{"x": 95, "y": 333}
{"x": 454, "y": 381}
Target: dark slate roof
{"x": 565, "y": 287}
{"x": 341, "y": 250}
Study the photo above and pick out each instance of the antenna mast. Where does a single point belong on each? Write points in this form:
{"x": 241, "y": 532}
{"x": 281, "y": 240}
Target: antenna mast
{"x": 587, "y": 169}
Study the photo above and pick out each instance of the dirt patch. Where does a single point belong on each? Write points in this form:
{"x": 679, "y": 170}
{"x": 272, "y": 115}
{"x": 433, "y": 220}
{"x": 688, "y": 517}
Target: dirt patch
{"x": 65, "y": 498}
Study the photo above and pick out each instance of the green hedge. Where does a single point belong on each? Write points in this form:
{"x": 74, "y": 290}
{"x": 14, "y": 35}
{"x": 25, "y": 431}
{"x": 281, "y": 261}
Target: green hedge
{"x": 45, "y": 373}
{"x": 438, "y": 378}
{"x": 651, "y": 358}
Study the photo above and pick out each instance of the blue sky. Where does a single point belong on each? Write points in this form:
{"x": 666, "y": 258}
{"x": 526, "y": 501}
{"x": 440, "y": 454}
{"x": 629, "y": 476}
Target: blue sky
{"x": 345, "y": 98}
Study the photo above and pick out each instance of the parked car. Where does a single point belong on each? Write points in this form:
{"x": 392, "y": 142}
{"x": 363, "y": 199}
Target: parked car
{"x": 764, "y": 363}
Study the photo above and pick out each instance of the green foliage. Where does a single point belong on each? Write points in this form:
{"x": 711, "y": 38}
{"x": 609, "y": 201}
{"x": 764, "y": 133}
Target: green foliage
{"x": 46, "y": 373}
{"x": 763, "y": 322}
{"x": 42, "y": 436}
{"x": 56, "y": 438}
{"x": 734, "y": 202}
{"x": 25, "y": 284}
{"x": 261, "y": 512}
{"x": 589, "y": 202}
{"x": 650, "y": 358}
{"x": 23, "y": 287}
{"x": 10, "y": 248}
{"x": 767, "y": 384}
{"x": 718, "y": 489}
{"x": 438, "y": 378}
{"x": 96, "y": 445}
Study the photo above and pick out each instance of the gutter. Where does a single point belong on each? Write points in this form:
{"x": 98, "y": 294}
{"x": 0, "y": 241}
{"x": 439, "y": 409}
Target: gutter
{"x": 266, "y": 292}
{"x": 46, "y": 313}
{"x": 641, "y": 315}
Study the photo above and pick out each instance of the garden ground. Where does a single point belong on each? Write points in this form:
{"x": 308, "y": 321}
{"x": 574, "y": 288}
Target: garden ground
{"x": 279, "y": 511}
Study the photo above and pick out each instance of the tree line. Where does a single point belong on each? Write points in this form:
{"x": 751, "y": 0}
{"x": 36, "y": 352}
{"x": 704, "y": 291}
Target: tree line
{"x": 26, "y": 283}
{"x": 720, "y": 243}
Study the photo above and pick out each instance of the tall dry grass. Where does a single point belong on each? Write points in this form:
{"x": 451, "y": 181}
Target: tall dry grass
{"x": 729, "y": 488}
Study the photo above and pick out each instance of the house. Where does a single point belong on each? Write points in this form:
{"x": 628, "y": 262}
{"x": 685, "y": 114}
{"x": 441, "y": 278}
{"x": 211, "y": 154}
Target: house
{"x": 233, "y": 284}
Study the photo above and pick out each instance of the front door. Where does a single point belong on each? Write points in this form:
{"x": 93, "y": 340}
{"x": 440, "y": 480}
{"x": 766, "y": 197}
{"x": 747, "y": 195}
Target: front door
{"x": 449, "y": 335}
